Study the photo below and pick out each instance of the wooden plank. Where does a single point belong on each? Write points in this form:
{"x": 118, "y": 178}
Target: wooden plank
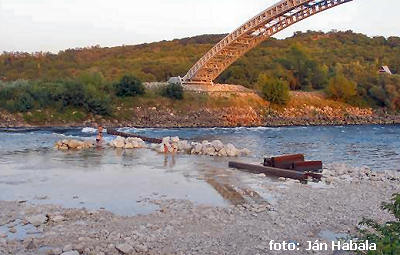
{"x": 111, "y": 131}
{"x": 259, "y": 169}
{"x": 284, "y": 162}
{"x": 307, "y": 166}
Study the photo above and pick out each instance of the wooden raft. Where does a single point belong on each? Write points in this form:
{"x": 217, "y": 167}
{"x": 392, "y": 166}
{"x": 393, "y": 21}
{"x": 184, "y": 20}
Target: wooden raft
{"x": 112, "y": 131}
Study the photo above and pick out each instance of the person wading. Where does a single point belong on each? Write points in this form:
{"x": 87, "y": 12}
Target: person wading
{"x": 99, "y": 138}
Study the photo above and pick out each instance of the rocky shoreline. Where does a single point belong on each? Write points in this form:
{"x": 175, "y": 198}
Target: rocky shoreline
{"x": 295, "y": 213}
{"x": 268, "y": 122}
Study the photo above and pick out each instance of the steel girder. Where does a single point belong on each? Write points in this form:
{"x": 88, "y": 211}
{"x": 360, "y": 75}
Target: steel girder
{"x": 252, "y": 33}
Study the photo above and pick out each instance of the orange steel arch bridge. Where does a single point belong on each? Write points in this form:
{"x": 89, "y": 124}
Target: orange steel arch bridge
{"x": 269, "y": 22}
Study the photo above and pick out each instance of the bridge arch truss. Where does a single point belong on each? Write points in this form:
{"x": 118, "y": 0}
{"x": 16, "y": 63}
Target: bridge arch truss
{"x": 269, "y": 22}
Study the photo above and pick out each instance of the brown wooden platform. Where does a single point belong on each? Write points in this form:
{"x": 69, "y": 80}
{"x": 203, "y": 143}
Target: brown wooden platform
{"x": 278, "y": 172}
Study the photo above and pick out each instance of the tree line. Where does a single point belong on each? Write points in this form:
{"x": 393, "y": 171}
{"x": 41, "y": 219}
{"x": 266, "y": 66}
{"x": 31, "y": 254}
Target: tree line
{"x": 343, "y": 64}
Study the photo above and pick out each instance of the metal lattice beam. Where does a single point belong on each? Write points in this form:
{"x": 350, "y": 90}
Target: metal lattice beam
{"x": 252, "y": 33}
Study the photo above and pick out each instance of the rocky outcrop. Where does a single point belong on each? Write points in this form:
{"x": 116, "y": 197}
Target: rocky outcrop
{"x": 168, "y": 145}
{"x": 74, "y": 145}
{"x": 128, "y": 143}
{"x": 214, "y": 148}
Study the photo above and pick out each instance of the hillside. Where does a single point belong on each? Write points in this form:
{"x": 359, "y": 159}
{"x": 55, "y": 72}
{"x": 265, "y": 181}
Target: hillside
{"x": 306, "y": 61}
{"x": 333, "y": 78}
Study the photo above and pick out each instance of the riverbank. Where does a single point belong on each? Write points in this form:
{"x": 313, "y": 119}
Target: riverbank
{"x": 233, "y": 108}
{"x": 324, "y": 212}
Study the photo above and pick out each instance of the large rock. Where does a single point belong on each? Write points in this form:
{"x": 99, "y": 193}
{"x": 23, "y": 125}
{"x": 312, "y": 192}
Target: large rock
{"x": 197, "y": 148}
{"x": 174, "y": 139}
{"x": 184, "y": 146}
{"x": 37, "y": 220}
{"x": 74, "y": 145}
{"x": 231, "y": 150}
{"x": 217, "y": 144}
{"x": 166, "y": 140}
{"x": 134, "y": 143}
{"x": 118, "y": 142}
{"x": 222, "y": 153}
{"x": 208, "y": 149}
{"x": 245, "y": 152}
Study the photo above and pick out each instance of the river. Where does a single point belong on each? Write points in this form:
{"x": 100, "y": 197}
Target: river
{"x": 124, "y": 181}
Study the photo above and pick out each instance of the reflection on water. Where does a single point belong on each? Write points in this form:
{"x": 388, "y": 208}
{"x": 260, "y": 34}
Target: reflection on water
{"x": 122, "y": 180}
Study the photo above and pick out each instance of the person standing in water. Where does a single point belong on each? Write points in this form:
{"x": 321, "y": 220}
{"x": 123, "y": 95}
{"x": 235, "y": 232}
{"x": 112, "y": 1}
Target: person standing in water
{"x": 99, "y": 138}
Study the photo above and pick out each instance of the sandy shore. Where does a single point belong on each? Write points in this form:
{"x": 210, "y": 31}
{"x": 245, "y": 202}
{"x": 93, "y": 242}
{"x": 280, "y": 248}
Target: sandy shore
{"x": 295, "y": 212}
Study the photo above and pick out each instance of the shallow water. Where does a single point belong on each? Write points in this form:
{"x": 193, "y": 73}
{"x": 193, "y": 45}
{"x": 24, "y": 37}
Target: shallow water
{"x": 124, "y": 181}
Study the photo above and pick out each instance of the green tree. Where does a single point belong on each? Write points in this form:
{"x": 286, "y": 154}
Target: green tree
{"x": 307, "y": 72}
{"x": 274, "y": 90}
{"x": 173, "y": 91}
{"x": 340, "y": 88}
{"x": 129, "y": 86}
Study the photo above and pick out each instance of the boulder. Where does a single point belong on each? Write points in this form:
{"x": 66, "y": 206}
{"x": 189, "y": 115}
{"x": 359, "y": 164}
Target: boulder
{"x": 231, "y": 150}
{"x": 222, "y": 153}
{"x": 184, "y": 146}
{"x": 208, "y": 149}
{"x": 166, "y": 140}
{"x": 245, "y": 152}
{"x": 74, "y": 145}
{"x": 129, "y": 145}
{"x": 134, "y": 143}
{"x": 197, "y": 148}
{"x": 175, "y": 139}
{"x": 119, "y": 142}
{"x": 217, "y": 144}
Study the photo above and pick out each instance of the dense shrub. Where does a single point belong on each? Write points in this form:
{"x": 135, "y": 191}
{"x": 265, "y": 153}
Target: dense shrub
{"x": 129, "y": 86}
{"x": 274, "y": 90}
{"x": 386, "y": 236}
{"x": 23, "y": 96}
{"x": 340, "y": 88}
{"x": 173, "y": 91}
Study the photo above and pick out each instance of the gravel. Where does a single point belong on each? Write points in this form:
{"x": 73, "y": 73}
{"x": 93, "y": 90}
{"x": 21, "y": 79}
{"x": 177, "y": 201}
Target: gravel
{"x": 295, "y": 212}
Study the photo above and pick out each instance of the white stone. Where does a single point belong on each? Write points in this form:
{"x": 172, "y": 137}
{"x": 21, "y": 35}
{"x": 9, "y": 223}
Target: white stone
{"x": 231, "y": 150}
{"x": 166, "y": 140}
{"x": 245, "y": 152}
{"x": 175, "y": 139}
{"x": 197, "y": 149}
{"x": 217, "y": 144}
{"x": 184, "y": 146}
{"x": 37, "y": 220}
{"x": 222, "y": 153}
{"x": 124, "y": 248}
{"x": 119, "y": 142}
{"x": 208, "y": 150}
{"x": 129, "y": 145}
{"x": 70, "y": 253}
{"x": 58, "y": 218}
{"x": 56, "y": 251}
{"x": 67, "y": 247}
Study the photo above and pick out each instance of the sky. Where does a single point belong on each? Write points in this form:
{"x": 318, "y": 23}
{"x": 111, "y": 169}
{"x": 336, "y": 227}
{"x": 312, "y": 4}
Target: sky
{"x": 53, "y": 25}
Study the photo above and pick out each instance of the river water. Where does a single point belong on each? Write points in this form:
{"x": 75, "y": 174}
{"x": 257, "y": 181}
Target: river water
{"x": 124, "y": 181}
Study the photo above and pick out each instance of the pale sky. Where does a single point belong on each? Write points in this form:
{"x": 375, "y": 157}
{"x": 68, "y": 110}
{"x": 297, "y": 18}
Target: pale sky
{"x": 53, "y": 25}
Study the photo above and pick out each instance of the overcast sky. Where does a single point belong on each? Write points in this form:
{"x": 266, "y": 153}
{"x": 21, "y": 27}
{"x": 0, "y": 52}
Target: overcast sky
{"x": 53, "y": 25}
